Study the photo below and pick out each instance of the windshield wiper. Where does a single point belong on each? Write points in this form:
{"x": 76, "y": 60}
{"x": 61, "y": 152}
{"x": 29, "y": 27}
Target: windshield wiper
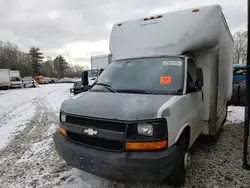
{"x": 107, "y": 86}
{"x": 132, "y": 91}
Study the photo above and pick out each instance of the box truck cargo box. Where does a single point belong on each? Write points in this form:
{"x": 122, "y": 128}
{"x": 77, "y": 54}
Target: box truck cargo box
{"x": 5, "y": 79}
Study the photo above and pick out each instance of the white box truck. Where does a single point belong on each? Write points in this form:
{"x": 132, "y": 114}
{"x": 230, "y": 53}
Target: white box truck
{"x": 98, "y": 64}
{"x": 16, "y": 81}
{"x": 100, "y": 61}
{"x": 5, "y": 79}
{"x": 150, "y": 105}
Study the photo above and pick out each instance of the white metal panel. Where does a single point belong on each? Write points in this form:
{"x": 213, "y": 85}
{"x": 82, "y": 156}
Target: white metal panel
{"x": 14, "y": 73}
{"x": 99, "y": 62}
{"x": 4, "y": 75}
{"x": 225, "y": 81}
{"x": 185, "y": 110}
{"x": 173, "y": 34}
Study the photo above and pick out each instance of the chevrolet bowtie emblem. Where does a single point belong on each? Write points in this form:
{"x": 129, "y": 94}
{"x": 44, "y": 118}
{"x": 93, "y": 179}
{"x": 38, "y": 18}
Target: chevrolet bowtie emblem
{"x": 90, "y": 131}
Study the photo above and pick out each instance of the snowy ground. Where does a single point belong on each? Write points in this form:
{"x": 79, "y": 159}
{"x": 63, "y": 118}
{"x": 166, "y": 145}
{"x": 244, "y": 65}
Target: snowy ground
{"x": 28, "y": 118}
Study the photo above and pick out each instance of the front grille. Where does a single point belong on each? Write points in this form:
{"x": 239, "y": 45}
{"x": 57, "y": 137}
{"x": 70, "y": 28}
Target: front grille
{"x": 98, "y": 124}
{"x": 96, "y": 142}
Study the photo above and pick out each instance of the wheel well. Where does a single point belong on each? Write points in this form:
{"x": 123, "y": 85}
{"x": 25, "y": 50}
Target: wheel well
{"x": 185, "y": 134}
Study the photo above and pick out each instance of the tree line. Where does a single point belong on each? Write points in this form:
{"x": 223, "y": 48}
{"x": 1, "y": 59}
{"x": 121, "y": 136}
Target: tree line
{"x": 34, "y": 63}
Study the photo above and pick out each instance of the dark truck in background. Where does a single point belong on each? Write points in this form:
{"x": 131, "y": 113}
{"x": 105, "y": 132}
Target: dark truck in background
{"x": 79, "y": 87}
{"x": 98, "y": 64}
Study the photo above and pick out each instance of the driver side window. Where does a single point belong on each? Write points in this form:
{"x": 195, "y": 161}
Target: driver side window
{"x": 191, "y": 75}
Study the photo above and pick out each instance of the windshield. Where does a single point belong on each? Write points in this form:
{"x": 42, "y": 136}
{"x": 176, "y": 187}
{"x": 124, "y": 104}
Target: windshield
{"x": 163, "y": 75}
{"x": 93, "y": 73}
{"x": 14, "y": 79}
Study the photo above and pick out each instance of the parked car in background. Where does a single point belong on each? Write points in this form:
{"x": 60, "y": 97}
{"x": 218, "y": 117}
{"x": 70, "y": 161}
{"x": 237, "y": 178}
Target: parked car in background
{"x": 5, "y": 79}
{"x": 66, "y": 80}
{"x": 40, "y": 79}
{"x": 54, "y": 80}
{"x": 15, "y": 79}
{"x": 47, "y": 80}
{"x": 29, "y": 82}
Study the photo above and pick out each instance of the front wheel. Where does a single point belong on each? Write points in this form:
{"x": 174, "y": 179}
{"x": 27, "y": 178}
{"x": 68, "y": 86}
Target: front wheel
{"x": 183, "y": 158}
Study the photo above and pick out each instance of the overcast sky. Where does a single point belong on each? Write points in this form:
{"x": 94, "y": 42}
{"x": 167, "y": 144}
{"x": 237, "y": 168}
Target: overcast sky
{"x": 82, "y": 27}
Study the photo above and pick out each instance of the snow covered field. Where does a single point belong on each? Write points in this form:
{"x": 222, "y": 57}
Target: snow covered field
{"x": 28, "y": 118}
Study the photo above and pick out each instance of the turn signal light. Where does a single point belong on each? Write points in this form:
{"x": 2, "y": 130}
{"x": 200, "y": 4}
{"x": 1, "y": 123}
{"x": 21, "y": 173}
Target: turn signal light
{"x": 146, "y": 145}
{"x": 63, "y": 131}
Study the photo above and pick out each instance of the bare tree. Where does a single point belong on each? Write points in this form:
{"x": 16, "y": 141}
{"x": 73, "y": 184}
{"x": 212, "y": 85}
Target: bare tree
{"x": 240, "y": 47}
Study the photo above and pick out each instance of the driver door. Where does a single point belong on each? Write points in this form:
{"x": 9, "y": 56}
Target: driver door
{"x": 195, "y": 99}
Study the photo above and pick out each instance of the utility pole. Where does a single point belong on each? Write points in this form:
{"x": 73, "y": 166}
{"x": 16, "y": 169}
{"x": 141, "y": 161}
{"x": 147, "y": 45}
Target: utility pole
{"x": 246, "y": 164}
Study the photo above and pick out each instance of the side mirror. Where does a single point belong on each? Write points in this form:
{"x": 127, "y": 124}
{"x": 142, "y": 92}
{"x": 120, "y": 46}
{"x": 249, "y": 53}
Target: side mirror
{"x": 199, "y": 82}
{"x": 101, "y": 70}
{"x": 85, "y": 79}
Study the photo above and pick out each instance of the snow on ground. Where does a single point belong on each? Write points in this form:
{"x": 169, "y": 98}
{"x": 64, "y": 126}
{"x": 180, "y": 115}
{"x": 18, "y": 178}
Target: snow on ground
{"x": 18, "y": 106}
{"x": 28, "y": 159}
{"x": 235, "y": 114}
{"x": 14, "y": 122}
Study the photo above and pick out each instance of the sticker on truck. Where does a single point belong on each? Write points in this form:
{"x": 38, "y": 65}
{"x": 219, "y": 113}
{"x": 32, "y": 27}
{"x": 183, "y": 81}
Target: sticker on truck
{"x": 165, "y": 80}
{"x": 176, "y": 63}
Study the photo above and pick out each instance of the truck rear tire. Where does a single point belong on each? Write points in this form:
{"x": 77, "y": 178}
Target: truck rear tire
{"x": 178, "y": 176}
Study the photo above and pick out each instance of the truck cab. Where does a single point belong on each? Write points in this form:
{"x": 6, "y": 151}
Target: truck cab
{"x": 168, "y": 83}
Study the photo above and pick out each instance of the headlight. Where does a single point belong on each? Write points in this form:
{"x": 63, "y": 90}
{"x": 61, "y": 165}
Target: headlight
{"x": 63, "y": 118}
{"x": 145, "y": 129}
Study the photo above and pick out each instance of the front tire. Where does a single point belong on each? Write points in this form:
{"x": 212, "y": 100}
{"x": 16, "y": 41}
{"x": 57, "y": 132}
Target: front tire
{"x": 178, "y": 176}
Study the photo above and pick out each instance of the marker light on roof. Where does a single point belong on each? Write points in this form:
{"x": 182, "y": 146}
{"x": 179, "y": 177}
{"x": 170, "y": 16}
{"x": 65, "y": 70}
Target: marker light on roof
{"x": 152, "y": 17}
{"x": 119, "y": 24}
{"x": 196, "y": 10}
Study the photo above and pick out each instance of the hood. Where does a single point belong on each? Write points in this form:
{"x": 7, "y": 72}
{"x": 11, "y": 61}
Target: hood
{"x": 119, "y": 106}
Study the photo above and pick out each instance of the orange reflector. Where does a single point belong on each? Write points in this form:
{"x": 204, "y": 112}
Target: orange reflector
{"x": 63, "y": 131}
{"x": 196, "y": 10}
{"x": 146, "y": 145}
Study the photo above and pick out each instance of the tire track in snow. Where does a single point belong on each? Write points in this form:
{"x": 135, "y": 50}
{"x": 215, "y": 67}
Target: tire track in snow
{"x": 29, "y": 159}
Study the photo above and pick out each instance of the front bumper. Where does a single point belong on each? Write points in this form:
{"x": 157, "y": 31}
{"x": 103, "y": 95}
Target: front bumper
{"x": 125, "y": 166}
{"x": 16, "y": 85}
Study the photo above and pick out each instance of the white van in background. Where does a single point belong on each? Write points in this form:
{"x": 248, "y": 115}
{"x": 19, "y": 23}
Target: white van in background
{"x": 15, "y": 79}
